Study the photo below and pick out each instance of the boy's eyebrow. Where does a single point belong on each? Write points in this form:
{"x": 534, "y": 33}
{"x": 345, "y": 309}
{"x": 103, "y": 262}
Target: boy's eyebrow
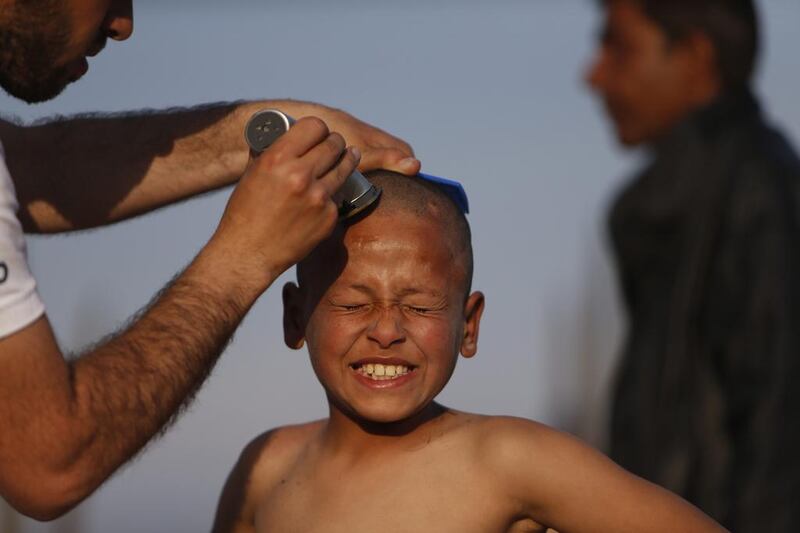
{"x": 411, "y": 291}
{"x": 360, "y": 288}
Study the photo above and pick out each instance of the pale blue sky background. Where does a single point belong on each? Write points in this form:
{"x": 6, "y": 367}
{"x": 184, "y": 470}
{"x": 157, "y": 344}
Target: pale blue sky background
{"x": 488, "y": 93}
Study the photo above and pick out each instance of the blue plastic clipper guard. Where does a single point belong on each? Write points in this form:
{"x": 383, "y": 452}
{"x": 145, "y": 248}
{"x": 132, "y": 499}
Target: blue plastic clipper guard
{"x": 452, "y": 188}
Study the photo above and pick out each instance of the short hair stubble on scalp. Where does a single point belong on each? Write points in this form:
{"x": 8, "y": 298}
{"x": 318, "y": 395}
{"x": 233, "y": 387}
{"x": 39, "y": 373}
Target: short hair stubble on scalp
{"x": 420, "y": 198}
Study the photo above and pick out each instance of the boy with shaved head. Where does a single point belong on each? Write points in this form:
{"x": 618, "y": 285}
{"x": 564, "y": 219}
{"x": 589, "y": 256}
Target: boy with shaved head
{"x": 385, "y": 306}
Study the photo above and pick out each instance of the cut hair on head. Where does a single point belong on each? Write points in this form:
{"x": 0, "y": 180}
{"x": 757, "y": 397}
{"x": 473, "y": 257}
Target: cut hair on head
{"x": 421, "y": 198}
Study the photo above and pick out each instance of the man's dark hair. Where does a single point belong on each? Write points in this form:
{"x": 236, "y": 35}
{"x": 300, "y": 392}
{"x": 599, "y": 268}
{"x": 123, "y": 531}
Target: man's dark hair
{"x": 731, "y": 25}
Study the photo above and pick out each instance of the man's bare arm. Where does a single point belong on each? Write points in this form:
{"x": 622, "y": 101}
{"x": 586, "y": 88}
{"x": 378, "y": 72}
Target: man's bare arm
{"x": 68, "y": 426}
{"x": 567, "y": 486}
{"x": 92, "y": 170}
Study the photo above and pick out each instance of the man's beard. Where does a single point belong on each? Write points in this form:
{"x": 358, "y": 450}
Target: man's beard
{"x": 31, "y": 39}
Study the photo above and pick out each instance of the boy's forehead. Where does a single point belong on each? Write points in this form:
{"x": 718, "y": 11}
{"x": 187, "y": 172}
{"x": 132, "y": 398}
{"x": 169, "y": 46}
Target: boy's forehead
{"x": 390, "y": 228}
{"x": 388, "y": 236}
{"x": 408, "y": 252}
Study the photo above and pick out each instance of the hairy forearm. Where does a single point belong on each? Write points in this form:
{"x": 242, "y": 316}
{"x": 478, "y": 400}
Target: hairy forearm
{"x": 131, "y": 386}
{"x": 128, "y": 388}
{"x": 91, "y": 170}
{"x": 68, "y": 426}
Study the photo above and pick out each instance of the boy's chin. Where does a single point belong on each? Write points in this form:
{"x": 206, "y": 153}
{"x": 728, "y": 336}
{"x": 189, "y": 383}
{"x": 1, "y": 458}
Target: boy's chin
{"x": 391, "y": 419}
{"x": 382, "y": 415}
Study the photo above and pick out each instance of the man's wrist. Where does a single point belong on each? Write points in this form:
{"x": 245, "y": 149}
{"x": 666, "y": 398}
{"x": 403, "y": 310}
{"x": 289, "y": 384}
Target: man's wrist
{"x": 242, "y": 278}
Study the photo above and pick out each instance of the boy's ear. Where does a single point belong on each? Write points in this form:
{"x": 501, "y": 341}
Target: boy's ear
{"x": 473, "y": 310}
{"x": 294, "y": 326}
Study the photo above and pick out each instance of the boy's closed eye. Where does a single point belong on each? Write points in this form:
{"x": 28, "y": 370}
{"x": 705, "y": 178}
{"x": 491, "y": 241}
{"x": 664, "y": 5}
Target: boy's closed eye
{"x": 427, "y": 308}
{"x": 419, "y": 310}
{"x": 348, "y": 306}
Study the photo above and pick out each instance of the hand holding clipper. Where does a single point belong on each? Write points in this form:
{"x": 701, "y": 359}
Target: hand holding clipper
{"x": 264, "y": 128}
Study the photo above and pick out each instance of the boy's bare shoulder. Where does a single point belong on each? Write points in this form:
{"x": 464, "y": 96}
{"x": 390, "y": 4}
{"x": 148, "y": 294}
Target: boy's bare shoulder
{"x": 259, "y": 468}
{"x": 504, "y": 442}
{"x": 507, "y": 435}
{"x": 559, "y": 481}
{"x": 528, "y": 461}
{"x": 276, "y": 450}
{"x": 509, "y": 431}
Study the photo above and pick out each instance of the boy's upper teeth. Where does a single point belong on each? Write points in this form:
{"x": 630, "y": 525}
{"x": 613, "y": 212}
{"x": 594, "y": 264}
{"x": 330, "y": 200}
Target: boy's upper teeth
{"x": 378, "y": 370}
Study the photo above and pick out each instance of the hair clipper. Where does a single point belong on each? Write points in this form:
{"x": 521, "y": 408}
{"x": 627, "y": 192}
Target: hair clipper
{"x": 355, "y": 195}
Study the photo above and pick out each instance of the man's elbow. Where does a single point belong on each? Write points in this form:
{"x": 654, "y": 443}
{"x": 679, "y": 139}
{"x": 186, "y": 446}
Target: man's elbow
{"x": 45, "y": 496}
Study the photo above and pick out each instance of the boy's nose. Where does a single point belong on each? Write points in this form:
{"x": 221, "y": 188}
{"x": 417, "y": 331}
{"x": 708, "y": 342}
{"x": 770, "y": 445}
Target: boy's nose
{"x": 593, "y": 73}
{"x": 387, "y": 329}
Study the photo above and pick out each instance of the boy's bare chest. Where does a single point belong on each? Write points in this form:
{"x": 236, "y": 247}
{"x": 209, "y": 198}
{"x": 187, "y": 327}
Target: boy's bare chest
{"x": 389, "y": 496}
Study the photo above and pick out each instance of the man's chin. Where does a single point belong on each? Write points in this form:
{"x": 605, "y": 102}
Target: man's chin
{"x": 629, "y": 137}
{"x": 628, "y": 141}
{"x": 35, "y": 93}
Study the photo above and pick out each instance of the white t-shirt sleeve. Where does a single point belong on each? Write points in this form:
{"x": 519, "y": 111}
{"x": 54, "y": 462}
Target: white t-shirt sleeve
{"x": 20, "y": 304}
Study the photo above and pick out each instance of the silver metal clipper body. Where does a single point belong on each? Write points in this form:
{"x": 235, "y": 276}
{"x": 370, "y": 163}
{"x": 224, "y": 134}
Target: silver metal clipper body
{"x": 264, "y": 128}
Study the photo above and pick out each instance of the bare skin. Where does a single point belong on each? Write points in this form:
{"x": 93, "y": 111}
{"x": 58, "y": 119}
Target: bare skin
{"x": 51, "y": 456}
{"x": 69, "y": 424}
{"x": 389, "y": 458}
{"x": 143, "y": 161}
{"x": 458, "y": 472}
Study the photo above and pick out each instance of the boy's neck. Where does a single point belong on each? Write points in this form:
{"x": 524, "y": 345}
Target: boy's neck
{"x": 348, "y": 434}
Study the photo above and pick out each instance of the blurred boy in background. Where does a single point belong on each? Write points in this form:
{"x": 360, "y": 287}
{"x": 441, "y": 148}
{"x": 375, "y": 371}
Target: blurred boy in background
{"x": 707, "y": 246}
